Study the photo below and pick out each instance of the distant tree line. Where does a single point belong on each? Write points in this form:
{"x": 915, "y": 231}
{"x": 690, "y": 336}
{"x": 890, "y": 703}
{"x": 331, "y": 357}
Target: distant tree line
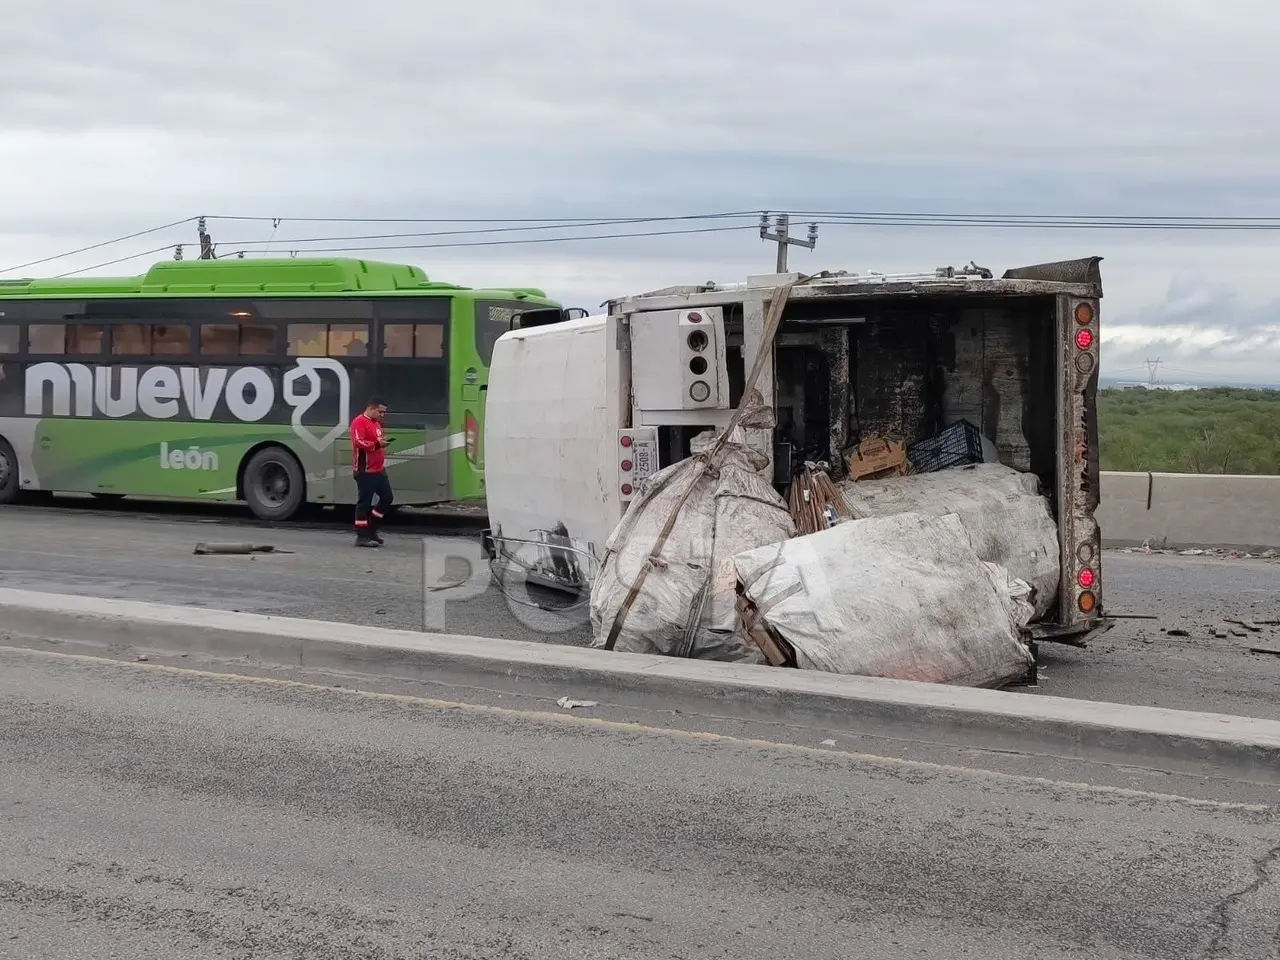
{"x": 1218, "y": 430}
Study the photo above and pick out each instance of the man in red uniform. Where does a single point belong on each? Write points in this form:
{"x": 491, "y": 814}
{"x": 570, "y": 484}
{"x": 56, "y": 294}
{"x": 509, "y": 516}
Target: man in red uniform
{"x": 369, "y": 466}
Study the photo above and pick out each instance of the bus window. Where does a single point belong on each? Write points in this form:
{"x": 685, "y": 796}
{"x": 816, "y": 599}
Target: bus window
{"x": 257, "y": 341}
{"x": 86, "y": 339}
{"x": 171, "y": 340}
{"x": 397, "y": 340}
{"x": 307, "y": 339}
{"x": 219, "y": 339}
{"x": 47, "y": 338}
{"x": 421, "y": 340}
{"x": 429, "y": 341}
{"x": 131, "y": 340}
{"x": 10, "y": 341}
{"x": 348, "y": 340}
{"x": 415, "y": 388}
{"x": 492, "y": 321}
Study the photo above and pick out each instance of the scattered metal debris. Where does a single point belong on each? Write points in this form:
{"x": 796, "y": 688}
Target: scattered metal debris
{"x": 228, "y": 549}
{"x": 1267, "y": 650}
{"x": 569, "y": 704}
{"x": 1247, "y": 624}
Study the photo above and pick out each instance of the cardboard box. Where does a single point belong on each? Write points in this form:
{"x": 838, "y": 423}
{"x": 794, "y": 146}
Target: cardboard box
{"x": 878, "y": 457}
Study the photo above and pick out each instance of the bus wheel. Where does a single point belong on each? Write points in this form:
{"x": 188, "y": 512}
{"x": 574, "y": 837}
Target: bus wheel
{"x": 273, "y": 484}
{"x": 8, "y": 473}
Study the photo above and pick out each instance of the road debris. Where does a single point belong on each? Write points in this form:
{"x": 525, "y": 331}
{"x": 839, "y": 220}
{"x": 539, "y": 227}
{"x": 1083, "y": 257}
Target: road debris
{"x": 1218, "y": 553}
{"x": 570, "y": 704}
{"x": 1269, "y": 651}
{"x": 230, "y": 549}
{"x": 1247, "y": 624}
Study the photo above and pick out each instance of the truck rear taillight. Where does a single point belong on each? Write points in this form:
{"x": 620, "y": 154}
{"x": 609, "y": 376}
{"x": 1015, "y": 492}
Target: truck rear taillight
{"x": 1084, "y": 339}
{"x": 1088, "y": 602}
{"x": 1084, "y": 314}
{"x": 1087, "y": 578}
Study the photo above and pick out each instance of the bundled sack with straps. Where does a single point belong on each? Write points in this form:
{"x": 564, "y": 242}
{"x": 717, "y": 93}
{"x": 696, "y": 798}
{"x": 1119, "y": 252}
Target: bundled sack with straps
{"x": 669, "y": 588}
{"x": 904, "y": 597}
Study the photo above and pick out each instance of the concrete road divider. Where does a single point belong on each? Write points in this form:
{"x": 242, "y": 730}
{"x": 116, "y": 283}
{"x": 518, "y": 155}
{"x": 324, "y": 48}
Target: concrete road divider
{"x": 1175, "y": 741}
{"x": 1191, "y": 510}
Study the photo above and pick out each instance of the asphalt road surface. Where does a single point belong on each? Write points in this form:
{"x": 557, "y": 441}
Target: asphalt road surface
{"x": 146, "y": 556}
{"x": 154, "y": 813}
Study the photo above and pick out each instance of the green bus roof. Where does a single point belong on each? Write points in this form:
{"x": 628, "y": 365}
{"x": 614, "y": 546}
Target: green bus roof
{"x": 289, "y": 276}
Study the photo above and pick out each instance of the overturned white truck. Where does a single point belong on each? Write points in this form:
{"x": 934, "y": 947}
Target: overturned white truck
{"x": 581, "y": 410}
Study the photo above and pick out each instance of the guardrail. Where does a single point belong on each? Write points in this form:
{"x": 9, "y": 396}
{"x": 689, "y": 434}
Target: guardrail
{"x": 1190, "y": 510}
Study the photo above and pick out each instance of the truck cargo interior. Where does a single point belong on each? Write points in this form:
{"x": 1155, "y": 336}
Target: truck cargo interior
{"x": 851, "y": 370}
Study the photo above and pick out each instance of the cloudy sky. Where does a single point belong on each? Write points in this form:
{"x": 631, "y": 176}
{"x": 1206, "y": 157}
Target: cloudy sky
{"x": 119, "y": 116}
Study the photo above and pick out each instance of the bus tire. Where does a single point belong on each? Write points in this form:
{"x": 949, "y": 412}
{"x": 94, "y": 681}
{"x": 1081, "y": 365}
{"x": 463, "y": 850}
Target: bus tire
{"x": 10, "y": 483}
{"x": 274, "y": 486}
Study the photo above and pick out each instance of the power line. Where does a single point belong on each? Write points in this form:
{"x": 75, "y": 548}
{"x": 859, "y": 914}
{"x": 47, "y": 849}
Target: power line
{"x": 857, "y": 218}
{"x": 580, "y": 221}
{"x": 473, "y": 231}
{"x": 97, "y": 246}
{"x": 526, "y": 240}
{"x": 112, "y": 263}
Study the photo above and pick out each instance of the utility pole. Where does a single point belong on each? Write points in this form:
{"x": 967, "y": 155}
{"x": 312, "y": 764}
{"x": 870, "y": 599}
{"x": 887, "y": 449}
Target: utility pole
{"x": 782, "y": 237}
{"x": 206, "y": 241}
{"x": 1152, "y": 367}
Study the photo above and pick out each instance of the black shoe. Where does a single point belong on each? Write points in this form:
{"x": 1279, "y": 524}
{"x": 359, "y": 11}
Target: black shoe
{"x": 367, "y": 542}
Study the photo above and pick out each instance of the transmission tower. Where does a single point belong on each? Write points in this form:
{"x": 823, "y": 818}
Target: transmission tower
{"x": 1152, "y": 367}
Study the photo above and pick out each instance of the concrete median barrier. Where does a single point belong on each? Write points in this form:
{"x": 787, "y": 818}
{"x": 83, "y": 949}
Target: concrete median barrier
{"x": 1191, "y": 510}
{"x": 1174, "y": 741}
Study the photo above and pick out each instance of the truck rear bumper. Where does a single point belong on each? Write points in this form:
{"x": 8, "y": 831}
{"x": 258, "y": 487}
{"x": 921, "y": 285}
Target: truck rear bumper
{"x": 1075, "y": 634}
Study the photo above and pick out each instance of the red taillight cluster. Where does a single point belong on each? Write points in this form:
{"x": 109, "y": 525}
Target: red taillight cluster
{"x": 472, "y": 427}
{"x": 626, "y": 465}
{"x": 1084, "y": 317}
{"x": 1087, "y": 578}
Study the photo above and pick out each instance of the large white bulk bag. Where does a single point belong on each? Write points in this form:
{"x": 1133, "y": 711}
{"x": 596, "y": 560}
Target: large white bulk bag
{"x": 904, "y": 597}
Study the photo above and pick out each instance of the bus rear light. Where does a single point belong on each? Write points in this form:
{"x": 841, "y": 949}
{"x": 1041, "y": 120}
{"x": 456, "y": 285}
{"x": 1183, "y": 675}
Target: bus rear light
{"x": 626, "y": 441}
{"x": 695, "y": 318}
{"x": 626, "y": 489}
{"x": 1084, "y": 313}
{"x": 1084, "y": 339}
{"x": 472, "y": 429}
{"x": 1087, "y": 578}
{"x": 626, "y": 465}
{"x": 700, "y": 391}
{"x": 1087, "y": 602}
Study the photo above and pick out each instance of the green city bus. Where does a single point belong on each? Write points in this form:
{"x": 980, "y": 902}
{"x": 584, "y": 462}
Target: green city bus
{"x": 236, "y": 380}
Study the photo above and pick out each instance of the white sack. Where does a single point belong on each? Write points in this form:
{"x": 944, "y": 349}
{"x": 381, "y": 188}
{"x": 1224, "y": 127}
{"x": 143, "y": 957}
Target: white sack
{"x": 904, "y": 597}
{"x": 1007, "y": 519}
{"x": 685, "y": 607}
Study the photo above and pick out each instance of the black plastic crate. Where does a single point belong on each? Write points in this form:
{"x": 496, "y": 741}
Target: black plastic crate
{"x": 959, "y": 445}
